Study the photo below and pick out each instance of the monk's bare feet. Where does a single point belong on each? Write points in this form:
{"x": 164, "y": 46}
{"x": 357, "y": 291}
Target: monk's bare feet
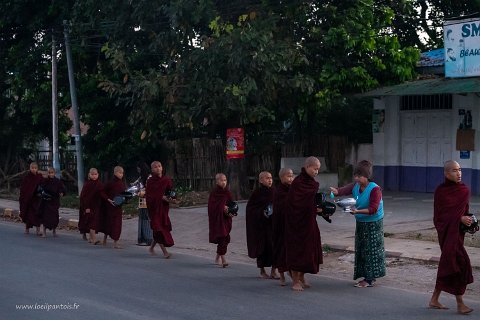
{"x": 463, "y": 309}
{"x": 218, "y": 260}
{"x": 297, "y": 286}
{"x": 84, "y": 237}
{"x": 152, "y": 251}
{"x": 224, "y": 263}
{"x": 274, "y": 275}
{"x": 263, "y": 274}
{"x": 117, "y": 246}
{"x": 437, "y": 305}
{"x": 305, "y": 284}
{"x": 167, "y": 255}
{"x": 282, "y": 279}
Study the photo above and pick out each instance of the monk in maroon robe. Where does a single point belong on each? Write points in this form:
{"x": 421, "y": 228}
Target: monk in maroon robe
{"x": 450, "y": 207}
{"x": 302, "y": 236}
{"x": 259, "y": 225}
{"x": 113, "y": 213}
{"x": 219, "y": 220}
{"x": 29, "y": 200}
{"x": 53, "y": 190}
{"x": 158, "y": 205}
{"x": 91, "y": 215}
{"x": 278, "y": 222}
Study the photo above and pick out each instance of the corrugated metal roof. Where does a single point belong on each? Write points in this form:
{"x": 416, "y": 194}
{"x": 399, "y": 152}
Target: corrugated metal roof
{"x": 430, "y": 86}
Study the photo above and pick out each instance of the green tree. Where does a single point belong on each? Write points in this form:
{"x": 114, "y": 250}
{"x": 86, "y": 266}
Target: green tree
{"x": 25, "y": 80}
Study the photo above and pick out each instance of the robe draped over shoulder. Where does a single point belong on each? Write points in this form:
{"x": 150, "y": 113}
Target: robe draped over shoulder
{"x": 158, "y": 209}
{"x": 219, "y": 224}
{"x": 113, "y": 217}
{"x": 49, "y": 208}
{"x": 257, "y": 225}
{"x": 91, "y": 198}
{"x": 29, "y": 202}
{"x": 303, "y": 245}
{"x": 451, "y": 202}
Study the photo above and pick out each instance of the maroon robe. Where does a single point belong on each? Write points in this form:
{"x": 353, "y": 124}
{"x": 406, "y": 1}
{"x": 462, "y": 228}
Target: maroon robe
{"x": 113, "y": 214}
{"x": 29, "y": 200}
{"x": 219, "y": 223}
{"x": 49, "y": 208}
{"x": 158, "y": 209}
{"x": 454, "y": 268}
{"x": 303, "y": 246}
{"x": 259, "y": 227}
{"x": 278, "y": 227}
{"x": 91, "y": 198}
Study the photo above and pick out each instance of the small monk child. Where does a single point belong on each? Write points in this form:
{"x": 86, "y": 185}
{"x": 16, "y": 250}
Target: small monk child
{"x": 219, "y": 219}
{"x": 53, "y": 189}
{"x": 29, "y": 200}
{"x": 114, "y": 213}
{"x": 259, "y": 225}
{"x": 278, "y": 221}
{"x": 158, "y": 205}
{"x": 91, "y": 215}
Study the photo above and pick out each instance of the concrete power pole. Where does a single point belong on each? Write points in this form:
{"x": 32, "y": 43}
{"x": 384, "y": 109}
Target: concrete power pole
{"x": 56, "y": 161}
{"x": 76, "y": 118}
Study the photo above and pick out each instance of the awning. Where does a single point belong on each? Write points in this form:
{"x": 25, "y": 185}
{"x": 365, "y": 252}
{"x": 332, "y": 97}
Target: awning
{"x": 428, "y": 87}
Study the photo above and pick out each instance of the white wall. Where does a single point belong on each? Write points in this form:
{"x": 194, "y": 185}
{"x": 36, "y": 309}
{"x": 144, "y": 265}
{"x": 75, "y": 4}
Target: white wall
{"x": 386, "y": 144}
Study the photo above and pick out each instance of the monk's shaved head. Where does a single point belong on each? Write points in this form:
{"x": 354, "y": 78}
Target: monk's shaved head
{"x": 286, "y": 176}
{"x": 452, "y": 171}
{"x": 155, "y": 163}
{"x": 265, "y": 178}
{"x": 219, "y": 176}
{"x": 284, "y": 171}
{"x": 312, "y": 166}
{"x": 264, "y": 174}
{"x": 448, "y": 165}
{"x": 311, "y": 161}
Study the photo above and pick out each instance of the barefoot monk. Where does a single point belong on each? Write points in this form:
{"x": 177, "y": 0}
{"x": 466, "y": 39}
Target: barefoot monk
{"x": 302, "y": 236}
{"x": 450, "y": 206}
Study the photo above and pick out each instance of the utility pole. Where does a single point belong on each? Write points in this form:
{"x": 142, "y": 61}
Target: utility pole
{"x": 56, "y": 162}
{"x": 76, "y": 118}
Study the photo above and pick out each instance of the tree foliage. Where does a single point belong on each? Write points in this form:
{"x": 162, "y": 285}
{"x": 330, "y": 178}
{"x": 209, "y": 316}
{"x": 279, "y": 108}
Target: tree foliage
{"x": 163, "y": 69}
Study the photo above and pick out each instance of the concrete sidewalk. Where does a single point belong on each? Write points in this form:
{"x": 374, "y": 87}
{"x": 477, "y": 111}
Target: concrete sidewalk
{"x": 404, "y": 212}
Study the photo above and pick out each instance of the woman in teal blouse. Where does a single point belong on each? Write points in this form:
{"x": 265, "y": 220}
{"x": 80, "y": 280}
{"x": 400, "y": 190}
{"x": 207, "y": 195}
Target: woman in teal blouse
{"x": 368, "y": 212}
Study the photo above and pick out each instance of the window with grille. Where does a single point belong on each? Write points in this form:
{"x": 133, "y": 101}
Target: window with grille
{"x": 426, "y": 102}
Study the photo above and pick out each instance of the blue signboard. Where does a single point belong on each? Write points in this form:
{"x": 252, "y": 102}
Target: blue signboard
{"x": 462, "y": 48}
{"x": 464, "y": 154}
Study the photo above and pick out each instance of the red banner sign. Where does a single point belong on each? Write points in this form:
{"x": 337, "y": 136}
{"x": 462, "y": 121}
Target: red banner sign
{"x": 235, "y": 143}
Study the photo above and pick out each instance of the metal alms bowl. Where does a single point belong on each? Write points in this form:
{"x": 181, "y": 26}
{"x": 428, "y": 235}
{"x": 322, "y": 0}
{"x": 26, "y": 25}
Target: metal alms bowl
{"x": 346, "y": 204}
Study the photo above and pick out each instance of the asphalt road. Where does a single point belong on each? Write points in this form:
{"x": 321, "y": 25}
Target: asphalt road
{"x": 93, "y": 282}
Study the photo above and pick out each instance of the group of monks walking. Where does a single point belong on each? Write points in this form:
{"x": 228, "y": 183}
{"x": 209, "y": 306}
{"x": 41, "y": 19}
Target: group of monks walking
{"x": 100, "y": 213}
{"x": 39, "y": 200}
{"x": 283, "y": 234}
{"x": 282, "y": 231}
{"x": 281, "y": 228}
